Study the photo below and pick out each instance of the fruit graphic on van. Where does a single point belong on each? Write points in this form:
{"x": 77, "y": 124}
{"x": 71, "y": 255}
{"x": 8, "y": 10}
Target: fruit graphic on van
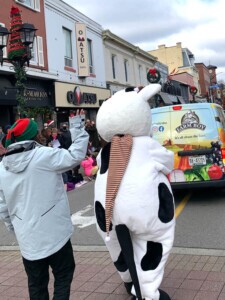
{"x": 184, "y": 160}
{"x": 222, "y": 135}
{"x": 215, "y": 172}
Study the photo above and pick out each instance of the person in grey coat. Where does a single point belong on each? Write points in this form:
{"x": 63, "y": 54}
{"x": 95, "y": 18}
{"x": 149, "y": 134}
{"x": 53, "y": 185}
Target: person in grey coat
{"x": 34, "y": 204}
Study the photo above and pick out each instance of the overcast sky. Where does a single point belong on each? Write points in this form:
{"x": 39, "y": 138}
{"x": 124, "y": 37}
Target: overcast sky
{"x": 198, "y": 24}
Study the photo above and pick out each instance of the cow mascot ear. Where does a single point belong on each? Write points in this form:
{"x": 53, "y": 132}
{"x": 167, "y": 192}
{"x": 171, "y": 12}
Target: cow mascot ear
{"x": 133, "y": 198}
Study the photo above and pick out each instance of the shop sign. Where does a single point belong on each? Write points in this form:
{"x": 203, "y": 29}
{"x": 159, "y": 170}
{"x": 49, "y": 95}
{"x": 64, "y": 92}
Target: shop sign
{"x": 89, "y": 98}
{"x": 37, "y": 98}
{"x": 76, "y": 97}
{"x": 35, "y": 95}
{"x": 82, "y": 55}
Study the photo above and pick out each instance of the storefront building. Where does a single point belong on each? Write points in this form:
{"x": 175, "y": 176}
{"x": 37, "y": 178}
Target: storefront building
{"x": 7, "y": 100}
{"x": 126, "y": 64}
{"x": 70, "y": 97}
{"x": 78, "y": 61}
{"x": 39, "y": 82}
{"x": 38, "y": 94}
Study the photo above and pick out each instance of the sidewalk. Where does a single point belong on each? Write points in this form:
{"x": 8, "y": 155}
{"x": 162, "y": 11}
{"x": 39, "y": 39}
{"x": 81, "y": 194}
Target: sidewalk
{"x": 190, "y": 274}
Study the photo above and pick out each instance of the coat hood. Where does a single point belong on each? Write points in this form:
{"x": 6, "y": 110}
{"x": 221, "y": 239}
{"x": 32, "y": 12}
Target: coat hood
{"x": 19, "y": 155}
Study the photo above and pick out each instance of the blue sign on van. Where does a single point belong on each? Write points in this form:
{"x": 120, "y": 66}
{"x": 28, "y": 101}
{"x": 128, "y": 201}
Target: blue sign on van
{"x": 161, "y": 128}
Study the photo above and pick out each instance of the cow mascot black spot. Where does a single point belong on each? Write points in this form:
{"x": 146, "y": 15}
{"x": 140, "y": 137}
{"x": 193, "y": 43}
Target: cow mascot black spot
{"x": 134, "y": 204}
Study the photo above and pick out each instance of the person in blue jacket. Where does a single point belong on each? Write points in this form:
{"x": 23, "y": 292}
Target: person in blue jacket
{"x": 34, "y": 204}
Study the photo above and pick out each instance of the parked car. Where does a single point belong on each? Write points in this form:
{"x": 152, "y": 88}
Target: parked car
{"x": 196, "y": 135}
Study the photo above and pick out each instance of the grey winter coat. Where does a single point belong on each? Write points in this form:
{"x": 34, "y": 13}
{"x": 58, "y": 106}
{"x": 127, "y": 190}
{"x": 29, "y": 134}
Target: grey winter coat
{"x": 33, "y": 201}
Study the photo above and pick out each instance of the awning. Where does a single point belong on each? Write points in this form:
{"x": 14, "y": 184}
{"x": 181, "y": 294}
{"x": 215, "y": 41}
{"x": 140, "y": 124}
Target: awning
{"x": 165, "y": 98}
{"x": 181, "y": 99}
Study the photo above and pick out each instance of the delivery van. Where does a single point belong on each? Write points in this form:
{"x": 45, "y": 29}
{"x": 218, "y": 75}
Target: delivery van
{"x": 196, "y": 135}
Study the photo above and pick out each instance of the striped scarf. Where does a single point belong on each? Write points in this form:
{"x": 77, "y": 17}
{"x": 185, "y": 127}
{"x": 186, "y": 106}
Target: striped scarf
{"x": 119, "y": 157}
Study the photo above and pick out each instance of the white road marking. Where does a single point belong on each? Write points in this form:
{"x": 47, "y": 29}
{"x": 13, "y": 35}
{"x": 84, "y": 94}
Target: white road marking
{"x": 81, "y": 221}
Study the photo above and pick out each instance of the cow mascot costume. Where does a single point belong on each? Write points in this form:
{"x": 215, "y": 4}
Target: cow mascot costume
{"x": 134, "y": 204}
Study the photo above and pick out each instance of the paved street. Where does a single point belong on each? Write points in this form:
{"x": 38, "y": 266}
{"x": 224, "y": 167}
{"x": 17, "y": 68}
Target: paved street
{"x": 187, "y": 277}
{"x": 195, "y": 269}
{"x": 199, "y": 225}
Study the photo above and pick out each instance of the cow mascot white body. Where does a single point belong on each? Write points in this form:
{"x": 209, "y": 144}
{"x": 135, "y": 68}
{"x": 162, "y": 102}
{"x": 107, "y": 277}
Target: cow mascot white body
{"x": 134, "y": 204}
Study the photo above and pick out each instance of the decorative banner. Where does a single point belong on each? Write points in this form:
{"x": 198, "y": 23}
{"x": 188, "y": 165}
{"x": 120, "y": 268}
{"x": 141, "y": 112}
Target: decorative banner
{"x": 82, "y": 54}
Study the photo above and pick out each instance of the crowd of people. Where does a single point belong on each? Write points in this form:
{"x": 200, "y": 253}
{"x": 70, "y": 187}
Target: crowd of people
{"x": 54, "y": 137}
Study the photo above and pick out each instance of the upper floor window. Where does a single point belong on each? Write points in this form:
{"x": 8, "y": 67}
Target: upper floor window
{"x": 146, "y": 78}
{"x": 37, "y": 53}
{"x": 114, "y": 66}
{"x": 34, "y": 58}
{"x": 68, "y": 59}
{"x": 126, "y": 69}
{"x": 140, "y": 73}
{"x": 5, "y": 48}
{"x": 90, "y": 56}
{"x": 34, "y": 4}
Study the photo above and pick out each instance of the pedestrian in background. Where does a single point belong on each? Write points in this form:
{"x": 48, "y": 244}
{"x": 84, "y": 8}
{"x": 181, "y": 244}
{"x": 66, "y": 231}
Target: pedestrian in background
{"x": 46, "y": 134}
{"x": 2, "y": 151}
{"x": 34, "y": 204}
{"x": 90, "y": 127}
{"x": 65, "y": 137}
{"x": 89, "y": 166}
{"x": 1, "y": 134}
{"x": 6, "y": 128}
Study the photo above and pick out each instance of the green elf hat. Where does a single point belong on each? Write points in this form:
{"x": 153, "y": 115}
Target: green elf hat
{"x": 21, "y": 130}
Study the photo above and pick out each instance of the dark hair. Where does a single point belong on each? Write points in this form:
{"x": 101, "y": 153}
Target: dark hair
{"x": 6, "y": 128}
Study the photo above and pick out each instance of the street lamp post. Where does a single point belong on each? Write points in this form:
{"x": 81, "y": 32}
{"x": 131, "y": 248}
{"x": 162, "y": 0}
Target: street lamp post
{"x": 21, "y": 42}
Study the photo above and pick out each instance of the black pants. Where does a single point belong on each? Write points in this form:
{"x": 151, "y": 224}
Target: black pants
{"x": 63, "y": 266}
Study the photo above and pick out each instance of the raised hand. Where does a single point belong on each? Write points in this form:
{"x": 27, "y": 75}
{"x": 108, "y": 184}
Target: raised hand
{"x": 80, "y": 112}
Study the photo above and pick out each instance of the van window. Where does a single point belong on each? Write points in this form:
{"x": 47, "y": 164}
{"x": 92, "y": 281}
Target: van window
{"x": 221, "y": 116}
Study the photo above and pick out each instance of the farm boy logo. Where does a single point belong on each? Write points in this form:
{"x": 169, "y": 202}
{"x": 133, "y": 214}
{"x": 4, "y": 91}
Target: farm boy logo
{"x": 190, "y": 121}
{"x": 82, "y": 57}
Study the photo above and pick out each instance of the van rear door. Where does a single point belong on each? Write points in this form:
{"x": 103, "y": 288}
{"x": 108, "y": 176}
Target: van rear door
{"x": 194, "y": 138}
